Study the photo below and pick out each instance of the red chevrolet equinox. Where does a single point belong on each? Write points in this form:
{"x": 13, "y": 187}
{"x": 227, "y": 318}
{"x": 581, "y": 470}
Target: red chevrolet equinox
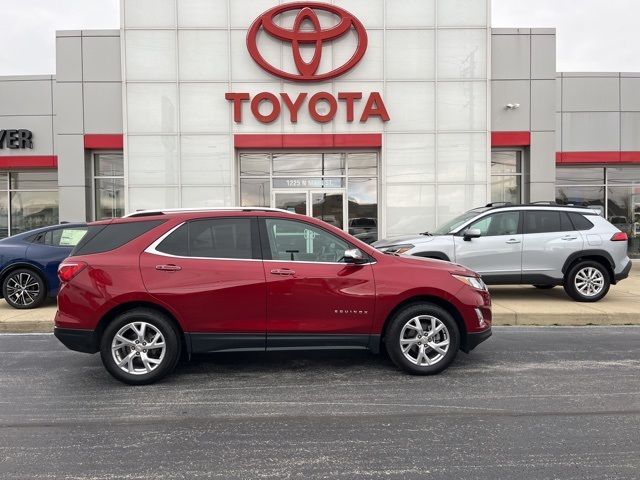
{"x": 144, "y": 290}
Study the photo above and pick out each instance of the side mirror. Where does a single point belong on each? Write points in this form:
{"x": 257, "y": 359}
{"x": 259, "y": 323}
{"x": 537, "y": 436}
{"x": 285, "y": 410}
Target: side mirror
{"x": 354, "y": 256}
{"x": 471, "y": 233}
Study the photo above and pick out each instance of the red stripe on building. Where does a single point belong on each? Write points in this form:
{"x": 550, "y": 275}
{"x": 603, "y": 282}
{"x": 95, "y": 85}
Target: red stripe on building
{"x": 320, "y": 140}
{"x": 510, "y": 139}
{"x": 28, "y": 161}
{"x": 597, "y": 157}
{"x": 103, "y": 141}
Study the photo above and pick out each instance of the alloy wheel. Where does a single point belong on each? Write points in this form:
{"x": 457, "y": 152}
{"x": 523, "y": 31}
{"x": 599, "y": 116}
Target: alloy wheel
{"x": 424, "y": 340}
{"x": 23, "y": 289}
{"x": 589, "y": 281}
{"x": 138, "y": 348}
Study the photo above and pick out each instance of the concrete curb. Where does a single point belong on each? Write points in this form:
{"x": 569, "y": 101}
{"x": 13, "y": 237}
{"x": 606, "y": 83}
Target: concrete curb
{"x": 46, "y": 326}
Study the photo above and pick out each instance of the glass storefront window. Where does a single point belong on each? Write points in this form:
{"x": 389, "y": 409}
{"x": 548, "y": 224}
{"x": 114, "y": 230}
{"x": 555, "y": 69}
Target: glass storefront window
{"x": 34, "y": 180}
{"x": 583, "y": 196}
{"x": 108, "y": 185}
{"x": 316, "y": 183}
{"x": 363, "y": 208}
{"x": 307, "y": 164}
{"x": 614, "y": 191}
{"x": 506, "y": 176}
{"x": 109, "y": 197}
{"x": 31, "y": 210}
{"x": 579, "y": 176}
{"x": 255, "y": 192}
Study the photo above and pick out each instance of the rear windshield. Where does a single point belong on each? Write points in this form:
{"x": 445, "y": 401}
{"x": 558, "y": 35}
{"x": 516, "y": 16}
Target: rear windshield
{"x": 102, "y": 238}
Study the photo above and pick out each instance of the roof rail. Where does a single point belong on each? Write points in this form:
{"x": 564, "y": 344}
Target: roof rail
{"x": 499, "y": 204}
{"x": 163, "y": 211}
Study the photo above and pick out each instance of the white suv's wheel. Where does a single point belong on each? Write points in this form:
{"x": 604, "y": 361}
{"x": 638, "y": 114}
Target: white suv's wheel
{"x": 587, "y": 281}
{"x": 140, "y": 346}
{"x": 422, "y": 339}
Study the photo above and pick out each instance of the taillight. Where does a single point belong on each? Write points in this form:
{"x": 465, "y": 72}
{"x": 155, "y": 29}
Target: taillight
{"x": 619, "y": 237}
{"x": 66, "y": 271}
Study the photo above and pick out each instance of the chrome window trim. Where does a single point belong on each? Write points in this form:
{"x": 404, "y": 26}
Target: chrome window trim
{"x": 153, "y": 249}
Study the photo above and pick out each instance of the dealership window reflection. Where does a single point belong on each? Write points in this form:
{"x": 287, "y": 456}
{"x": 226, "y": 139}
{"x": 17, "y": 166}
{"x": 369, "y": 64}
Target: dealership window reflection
{"x": 108, "y": 185}
{"x": 613, "y": 191}
{"x": 506, "y": 176}
{"x": 28, "y": 200}
{"x": 281, "y": 179}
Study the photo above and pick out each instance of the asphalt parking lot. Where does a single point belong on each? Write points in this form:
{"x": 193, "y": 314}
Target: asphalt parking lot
{"x": 531, "y": 402}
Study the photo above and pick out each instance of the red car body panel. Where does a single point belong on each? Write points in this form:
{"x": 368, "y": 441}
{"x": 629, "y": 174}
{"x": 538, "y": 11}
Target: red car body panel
{"x": 320, "y": 298}
{"x": 224, "y": 296}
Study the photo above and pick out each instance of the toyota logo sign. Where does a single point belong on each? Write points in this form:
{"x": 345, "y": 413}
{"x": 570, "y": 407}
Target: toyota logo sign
{"x": 307, "y": 71}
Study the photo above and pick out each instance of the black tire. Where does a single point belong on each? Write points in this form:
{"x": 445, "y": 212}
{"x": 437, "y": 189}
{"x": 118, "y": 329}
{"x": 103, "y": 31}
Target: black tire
{"x": 570, "y": 281}
{"x": 159, "y": 323}
{"x": 34, "y": 295}
{"x": 544, "y": 287}
{"x": 394, "y": 332}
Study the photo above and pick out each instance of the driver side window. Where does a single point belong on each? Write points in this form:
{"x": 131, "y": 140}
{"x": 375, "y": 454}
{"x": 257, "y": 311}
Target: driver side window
{"x": 505, "y": 223}
{"x": 290, "y": 240}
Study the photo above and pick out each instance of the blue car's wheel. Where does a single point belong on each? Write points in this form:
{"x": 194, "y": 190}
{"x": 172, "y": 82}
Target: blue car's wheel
{"x": 24, "y": 288}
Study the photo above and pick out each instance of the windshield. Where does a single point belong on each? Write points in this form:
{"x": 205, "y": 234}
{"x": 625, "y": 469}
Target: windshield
{"x": 456, "y": 222}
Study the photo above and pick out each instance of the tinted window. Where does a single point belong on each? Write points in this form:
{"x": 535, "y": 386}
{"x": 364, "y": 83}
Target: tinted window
{"x": 545, "y": 222}
{"x": 214, "y": 238}
{"x": 297, "y": 241}
{"x": 580, "y": 222}
{"x": 177, "y": 243}
{"x": 505, "y": 223}
{"x": 102, "y": 238}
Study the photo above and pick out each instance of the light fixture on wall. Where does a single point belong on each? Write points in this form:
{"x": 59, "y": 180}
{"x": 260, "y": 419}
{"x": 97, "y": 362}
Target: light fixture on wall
{"x": 512, "y": 106}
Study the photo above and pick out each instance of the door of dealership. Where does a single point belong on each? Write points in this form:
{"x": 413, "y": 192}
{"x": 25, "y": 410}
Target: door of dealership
{"x": 338, "y": 187}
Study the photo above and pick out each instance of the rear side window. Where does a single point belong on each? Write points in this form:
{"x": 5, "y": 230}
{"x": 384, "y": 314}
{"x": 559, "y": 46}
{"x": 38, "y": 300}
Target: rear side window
{"x": 65, "y": 237}
{"x": 212, "y": 238}
{"x": 546, "y": 222}
{"x": 103, "y": 238}
{"x": 580, "y": 222}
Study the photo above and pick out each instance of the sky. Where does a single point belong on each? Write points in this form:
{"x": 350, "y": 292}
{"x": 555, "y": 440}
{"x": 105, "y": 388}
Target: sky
{"x": 592, "y": 35}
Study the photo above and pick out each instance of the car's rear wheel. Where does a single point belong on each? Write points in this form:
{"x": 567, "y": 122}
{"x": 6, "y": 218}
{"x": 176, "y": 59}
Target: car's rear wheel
{"x": 422, "y": 339}
{"x": 587, "y": 281}
{"x": 24, "y": 288}
{"x": 140, "y": 346}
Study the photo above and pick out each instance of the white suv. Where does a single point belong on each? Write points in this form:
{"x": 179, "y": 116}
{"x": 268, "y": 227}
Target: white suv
{"x": 539, "y": 244}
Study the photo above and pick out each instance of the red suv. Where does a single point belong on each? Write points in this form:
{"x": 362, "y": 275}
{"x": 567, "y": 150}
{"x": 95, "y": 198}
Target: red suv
{"x": 145, "y": 289}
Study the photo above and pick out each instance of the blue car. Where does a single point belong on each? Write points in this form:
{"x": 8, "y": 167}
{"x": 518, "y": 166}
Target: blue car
{"x": 29, "y": 263}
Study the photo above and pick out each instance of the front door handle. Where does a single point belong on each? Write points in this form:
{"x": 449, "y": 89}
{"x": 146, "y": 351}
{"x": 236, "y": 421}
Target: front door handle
{"x": 513, "y": 240}
{"x": 168, "y": 268}
{"x": 282, "y": 271}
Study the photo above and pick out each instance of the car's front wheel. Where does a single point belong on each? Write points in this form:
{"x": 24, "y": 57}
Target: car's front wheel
{"x": 140, "y": 346}
{"x": 23, "y": 288}
{"x": 422, "y": 339}
{"x": 587, "y": 281}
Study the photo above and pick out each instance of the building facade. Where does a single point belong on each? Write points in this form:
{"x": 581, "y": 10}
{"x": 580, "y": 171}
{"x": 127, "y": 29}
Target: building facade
{"x": 381, "y": 117}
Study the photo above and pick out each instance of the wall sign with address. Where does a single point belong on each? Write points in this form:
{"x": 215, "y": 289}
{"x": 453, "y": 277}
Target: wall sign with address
{"x": 15, "y": 139}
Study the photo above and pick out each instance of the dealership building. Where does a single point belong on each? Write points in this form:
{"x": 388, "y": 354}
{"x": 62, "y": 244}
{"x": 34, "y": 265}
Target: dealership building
{"x": 385, "y": 117}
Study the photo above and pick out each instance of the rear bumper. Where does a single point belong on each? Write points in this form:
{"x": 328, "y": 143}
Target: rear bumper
{"x": 624, "y": 273}
{"x": 475, "y": 339}
{"x": 85, "y": 341}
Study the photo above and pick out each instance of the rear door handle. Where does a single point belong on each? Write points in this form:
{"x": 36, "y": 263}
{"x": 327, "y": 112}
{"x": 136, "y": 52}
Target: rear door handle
{"x": 168, "y": 268}
{"x": 513, "y": 240}
{"x": 569, "y": 237}
{"x": 282, "y": 271}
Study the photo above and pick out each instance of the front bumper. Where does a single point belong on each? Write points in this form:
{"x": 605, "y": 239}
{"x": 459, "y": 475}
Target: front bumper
{"x": 475, "y": 339}
{"x": 85, "y": 341}
{"x": 624, "y": 273}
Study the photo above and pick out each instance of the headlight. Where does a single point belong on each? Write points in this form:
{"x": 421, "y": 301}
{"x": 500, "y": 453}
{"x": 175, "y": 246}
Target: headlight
{"x": 397, "y": 248}
{"x": 473, "y": 282}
